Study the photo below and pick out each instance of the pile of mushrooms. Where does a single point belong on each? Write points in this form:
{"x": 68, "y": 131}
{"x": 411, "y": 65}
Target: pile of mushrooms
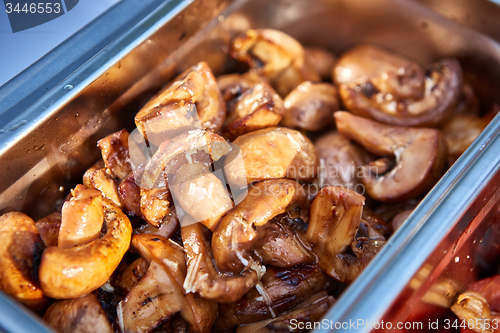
{"x": 246, "y": 201}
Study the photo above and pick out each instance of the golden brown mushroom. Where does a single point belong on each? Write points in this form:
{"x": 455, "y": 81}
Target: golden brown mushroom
{"x": 335, "y": 217}
{"x": 252, "y": 107}
{"x": 389, "y": 88}
{"x": 48, "y": 228}
{"x": 130, "y": 276}
{"x": 420, "y": 155}
{"x": 114, "y": 150}
{"x": 130, "y": 193}
{"x": 276, "y": 56}
{"x": 310, "y": 106}
{"x": 98, "y": 177}
{"x": 321, "y": 59}
{"x": 20, "y": 245}
{"x": 271, "y": 153}
{"x": 281, "y": 289}
{"x": 81, "y": 217}
{"x": 74, "y": 272}
{"x": 155, "y": 205}
{"x": 192, "y": 100}
{"x": 80, "y": 315}
{"x": 233, "y": 240}
{"x": 202, "y": 276}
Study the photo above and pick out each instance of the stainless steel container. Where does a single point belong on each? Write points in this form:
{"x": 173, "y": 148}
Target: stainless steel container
{"x": 53, "y": 113}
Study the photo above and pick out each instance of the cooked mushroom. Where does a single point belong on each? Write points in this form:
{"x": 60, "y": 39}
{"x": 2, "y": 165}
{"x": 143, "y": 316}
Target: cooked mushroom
{"x": 192, "y": 100}
{"x": 74, "y": 272}
{"x": 48, "y": 228}
{"x": 169, "y": 225}
{"x": 276, "y": 56}
{"x": 321, "y": 59}
{"x": 420, "y": 156}
{"x": 81, "y": 217}
{"x": 335, "y": 217}
{"x": 114, "y": 150}
{"x": 98, "y": 178}
{"x": 310, "y": 106}
{"x": 252, "y": 108}
{"x": 271, "y": 153}
{"x": 20, "y": 248}
{"x": 306, "y": 317}
{"x": 233, "y": 240}
{"x": 468, "y": 102}
{"x": 460, "y": 131}
{"x": 400, "y": 218}
{"x": 130, "y": 192}
{"x": 159, "y": 294}
{"x": 281, "y": 289}
{"x": 202, "y": 276}
{"x": 155, "y": 205}
{"x": 341, "y": 162}
{"x": 80, "y": 315}
{"x": 389, "y": 88}
{"x": 130, "y": 276}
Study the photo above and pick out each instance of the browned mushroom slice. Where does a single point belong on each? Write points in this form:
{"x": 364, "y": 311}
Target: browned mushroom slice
{"x": 130, "y": 192}
{"x": 376, "y": 222}
{"x": 74, "y": 272}
{"x": 202, "y": 276}
{"x": 389, "y": 88}
{"x": 460, "y": 131}
{"x": 321, "y": 59}
{"x": 130, "y": 276}
{"x": 193, "y": 91}
{"x": 233, "y": 85}
{"x": 97, "y": 177}
{"x": 420, "y": 156}
{"x": 48, "y": 228}
{"x": 341, "y": 162}
{"x": 335, "y": 217}
{"x": 155, "y": 205}
{"x": 271, "y": 153}
{"x": 281, "y": 245}
{"x": 114, "y": 150}
{"x": 233, "y": 240}
{"x": 81, "y": 217}
{"x": 169, "y": 225}
{"x": 255, "y": 108}
{"x": 20, "y": 245}
{"x": 163, "y": 286}
{"x": 310, "y": 106}
{"x": 82, "y": 315}
{"x": 281, "y": 289}
{"x": 202, "y": 195}
{"x": 306, "y": 317}
{"x": 276, "y": 56}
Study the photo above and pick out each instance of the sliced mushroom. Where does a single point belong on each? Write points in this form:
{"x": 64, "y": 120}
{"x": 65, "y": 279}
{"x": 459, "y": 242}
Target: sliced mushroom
{"x": 321, "y": 59}
{"x": 74, "y": 272}
{"x": 192, "y": 100}
{"x": 81, "y": 217}
{"x": 169, "y": 225}
{"x": 281, "y": 290}
{"x": 202, "y": 276}
{"x": 420, "y": 156}
{"x": 460, "y": 131}
{"x": 233, "y": 240}
{"x": 271, "y": 153}
{"x": 310, "y": 106}
{"x": 233, "y": 85}
{"x": 335, "y": 217}
{"x": 130, "y": 192}
{"x": 114, "y": 150}
{"x": 48, "y": 228}
{"x": 155, "y": 205}
{"x": 97, "y": 177}
{"x": 389, "y": 88}
{"x": 341, "y": 162}
{"x": 281, "y": 245}
{"x": 162, "y": 288}
{"x": 80, "y": 315}
{"x": 254, "y": 108}
{"x": 200, "y": 194}
{"x": 301, "y": 319}
{"x": 276, "y": 56}
{"x": 130, "y": 276}
{"x": 20, "y": 249}
{"x": 375, "y": 221}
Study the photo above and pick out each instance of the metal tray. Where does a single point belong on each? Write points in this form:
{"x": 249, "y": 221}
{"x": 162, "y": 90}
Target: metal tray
{"x": 53, "y": 113}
